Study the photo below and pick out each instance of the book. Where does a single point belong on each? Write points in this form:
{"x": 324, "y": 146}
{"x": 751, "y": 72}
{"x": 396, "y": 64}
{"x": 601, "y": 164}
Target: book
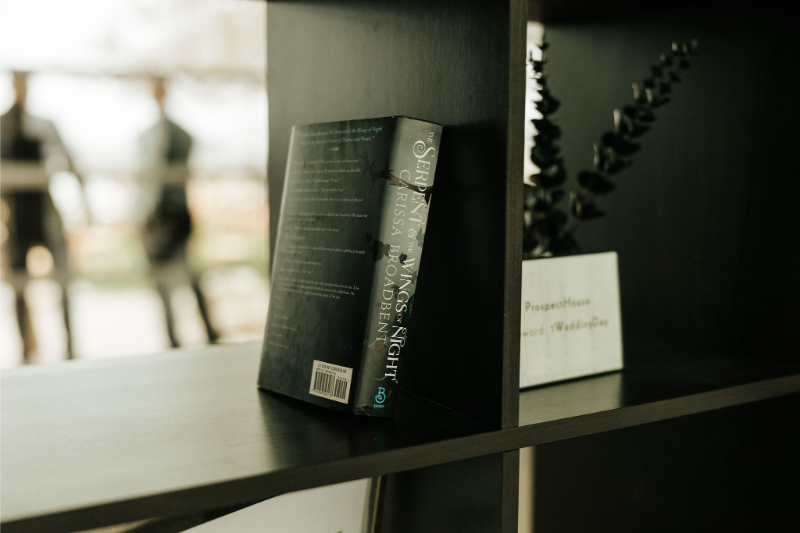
{"x": 350, "y": 237}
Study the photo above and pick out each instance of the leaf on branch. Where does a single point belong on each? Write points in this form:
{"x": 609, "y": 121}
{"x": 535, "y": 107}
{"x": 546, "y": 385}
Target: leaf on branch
{"x": 625, "y": 124}
{"x": 619, "y": 144}
{"x": 599, "y": 157}
{"x": 545, "y": 130}
{"x": 638, "y": 94}
{"x": 595, "y": 182}
{"x": 546, "y": 225}
{"x": 638, "y": 130}
{"x": 654, "y": 100}
{"x": 639, "y": 113}
{"x": 539, "y": 200}
{"x": 620, "y": 125}
{"x": 547, "y": 105}
{"x": 544, "y": 155}
{"x": 551, "y": 176}
{"x": 613, "y": 162}
{"x": 535, "y": 197}
{"x": 607, "y": 161}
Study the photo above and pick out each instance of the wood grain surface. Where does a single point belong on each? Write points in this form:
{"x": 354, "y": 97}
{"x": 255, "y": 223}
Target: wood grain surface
{"x": 92, "y": 443}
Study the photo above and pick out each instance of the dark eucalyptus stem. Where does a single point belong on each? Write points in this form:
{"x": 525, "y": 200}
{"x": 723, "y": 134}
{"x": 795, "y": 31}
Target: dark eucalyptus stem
{"x": 543, "y": 190}
{"x": 550, "y": 231}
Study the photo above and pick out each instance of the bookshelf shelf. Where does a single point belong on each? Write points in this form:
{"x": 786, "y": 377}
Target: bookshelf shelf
{"x": 111, "y": 441}
{"x": 655, "y": 387}
{"x": 176, "y": 433}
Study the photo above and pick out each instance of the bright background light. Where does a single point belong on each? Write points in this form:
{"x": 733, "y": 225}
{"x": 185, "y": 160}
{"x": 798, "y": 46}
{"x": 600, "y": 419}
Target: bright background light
{"x": 90, "y": 63}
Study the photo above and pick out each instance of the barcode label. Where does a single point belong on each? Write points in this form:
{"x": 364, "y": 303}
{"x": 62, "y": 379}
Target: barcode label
{"x": 331, "y": 381}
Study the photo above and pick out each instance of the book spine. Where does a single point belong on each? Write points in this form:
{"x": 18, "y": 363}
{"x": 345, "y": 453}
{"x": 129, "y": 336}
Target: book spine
{"x": 398, "y": 250}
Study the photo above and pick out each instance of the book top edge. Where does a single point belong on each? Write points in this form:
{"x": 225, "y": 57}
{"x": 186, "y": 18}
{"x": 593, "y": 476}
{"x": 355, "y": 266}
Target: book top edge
{"x": 392, "y": 117}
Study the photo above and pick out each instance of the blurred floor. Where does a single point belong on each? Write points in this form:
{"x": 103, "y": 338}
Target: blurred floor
{"x": 114, "y": 305}
{"x": 117, "y": 321}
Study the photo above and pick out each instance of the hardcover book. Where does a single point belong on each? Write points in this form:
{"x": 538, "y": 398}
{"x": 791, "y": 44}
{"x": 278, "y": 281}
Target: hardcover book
{"x": 352, "y": 226}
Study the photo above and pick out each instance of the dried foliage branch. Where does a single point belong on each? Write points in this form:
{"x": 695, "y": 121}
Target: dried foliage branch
{"x": 549, "y": 230}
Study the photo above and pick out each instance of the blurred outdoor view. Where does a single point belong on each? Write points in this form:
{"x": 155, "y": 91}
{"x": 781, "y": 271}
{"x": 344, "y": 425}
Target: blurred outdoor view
{"x": 132, "y": 176}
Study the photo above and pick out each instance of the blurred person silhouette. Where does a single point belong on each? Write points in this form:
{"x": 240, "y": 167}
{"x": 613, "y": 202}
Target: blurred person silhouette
{"x": 162, "y": 209}
{"x": 31, "y": 151}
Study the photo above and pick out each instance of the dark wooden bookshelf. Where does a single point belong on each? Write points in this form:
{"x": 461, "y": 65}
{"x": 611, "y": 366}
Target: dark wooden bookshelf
{"x": 105, "y": 442}
{"x": 88, "y": 444}
{"x": 111, "y": 441}
{"x": 655, "y": 387}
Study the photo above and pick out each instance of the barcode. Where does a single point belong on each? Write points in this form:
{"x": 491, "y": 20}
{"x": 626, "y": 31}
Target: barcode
{"x": 323, "y": 382}
{"x": 328, "y": 385}
{"x": 331, "y": 381}
{"x": 340, "y": 388}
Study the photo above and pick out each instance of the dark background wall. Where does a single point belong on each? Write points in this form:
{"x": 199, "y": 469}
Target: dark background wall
{"x": 704, "y": 221}
{"x": 729, "y": 470}
{"x": 706, "y": 228}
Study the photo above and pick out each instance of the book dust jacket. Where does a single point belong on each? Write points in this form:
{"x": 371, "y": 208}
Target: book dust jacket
{"x": 350, "y": 241}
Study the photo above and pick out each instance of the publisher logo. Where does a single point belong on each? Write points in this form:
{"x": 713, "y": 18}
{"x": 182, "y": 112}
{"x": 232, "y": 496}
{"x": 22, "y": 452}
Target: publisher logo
{"x": 381, "y": 396}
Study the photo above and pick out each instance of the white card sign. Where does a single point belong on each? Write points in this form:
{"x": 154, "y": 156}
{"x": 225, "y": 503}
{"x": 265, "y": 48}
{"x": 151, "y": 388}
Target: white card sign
{"x": 571, "y": 325}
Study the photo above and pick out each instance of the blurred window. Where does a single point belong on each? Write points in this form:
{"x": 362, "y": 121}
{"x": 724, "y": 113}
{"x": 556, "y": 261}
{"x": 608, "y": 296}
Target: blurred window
{"x": 90, "y": 70}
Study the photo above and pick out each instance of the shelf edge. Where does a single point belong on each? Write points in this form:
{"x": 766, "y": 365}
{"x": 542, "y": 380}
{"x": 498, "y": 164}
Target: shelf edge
{"x": 272, "y": 484}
